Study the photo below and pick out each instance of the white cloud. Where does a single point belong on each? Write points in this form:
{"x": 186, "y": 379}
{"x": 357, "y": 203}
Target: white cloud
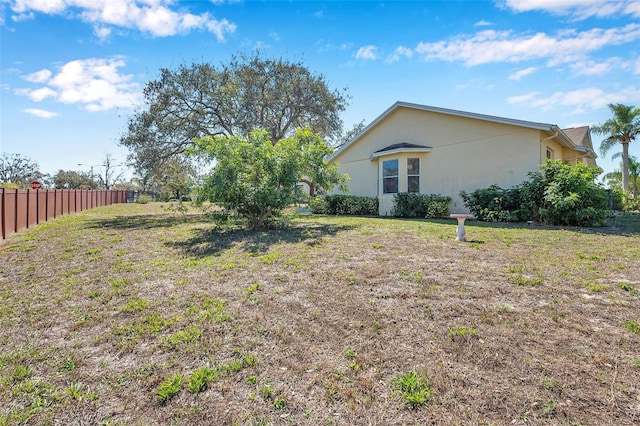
{"x": 155, "y": 17}
{"x": 483, "y": 23}
{"x": 40, "y": 94}
{"x": 522, "y": 98}
{"x": 590, "y": 98}
{"x": 522, "y": 73}
{"x": 94, "y": 83}
{"x": 44, "y": 6}
{"x": 102, "y": 32}
{"x": 399, "y": 53}
{"x": 367, "y": 52}
{"x": 578, "y": 9}
{"x": 41, "y": 113}
{"x": 589, "y": 67}
{"x": 503, "y": 46}
{"x": 38, "y": 77}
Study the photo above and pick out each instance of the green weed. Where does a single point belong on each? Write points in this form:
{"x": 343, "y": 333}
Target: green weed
{"x": 137, "y": 305}
{"x": 169, "y": 388}
{"x": 629, "y": 288}
{"x": 464, "y": 332}
{"x": 266, "y": 390}
{"x": 270, "y": 257}
{"x": 349, "y": 353}
{"x": 183, "y": 337}
{"x": 199, "y": 379}
{"x": 279, "y": 403}
{"x": 632, "y": 326}
{"x": 524, "y": 281}
{"x": 415, "y": 389}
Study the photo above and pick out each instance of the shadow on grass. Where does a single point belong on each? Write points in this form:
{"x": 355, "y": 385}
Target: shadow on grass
{"x": 147, "y": 221}
{"x": 211, "y": 239}
{"x": 215, "y": 241}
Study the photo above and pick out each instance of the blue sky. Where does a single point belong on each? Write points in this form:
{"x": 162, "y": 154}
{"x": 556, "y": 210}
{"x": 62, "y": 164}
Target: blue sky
{"x": 72, "y": 71}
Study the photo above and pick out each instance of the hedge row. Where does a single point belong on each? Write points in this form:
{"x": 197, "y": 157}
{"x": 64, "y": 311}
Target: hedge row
{"x": 407, "y": 204}
{"x": 404, "y": 205}
{"x": 344, "y": 205}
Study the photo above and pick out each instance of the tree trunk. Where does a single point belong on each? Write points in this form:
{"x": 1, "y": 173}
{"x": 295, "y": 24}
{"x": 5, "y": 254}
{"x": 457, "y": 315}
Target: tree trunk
{"x": 625, "y": 165}
{"x": 312, "y": 189}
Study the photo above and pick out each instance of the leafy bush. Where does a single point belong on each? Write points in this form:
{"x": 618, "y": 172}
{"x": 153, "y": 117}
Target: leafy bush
{"x": 340, "y": 204}
{"x": 558, "y": 194}
{"x": 407, "y": 204}
{"x": 318, "y": 205}
{"x": 144, "y": 199}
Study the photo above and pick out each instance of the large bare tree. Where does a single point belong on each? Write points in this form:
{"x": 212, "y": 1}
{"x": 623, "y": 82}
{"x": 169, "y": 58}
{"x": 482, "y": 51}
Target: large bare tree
{"x": 231, "y": 100}
{"x": 17, "y": 169}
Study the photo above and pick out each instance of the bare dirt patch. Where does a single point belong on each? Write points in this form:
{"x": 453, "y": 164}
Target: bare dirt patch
{"x": 315, "y": 323}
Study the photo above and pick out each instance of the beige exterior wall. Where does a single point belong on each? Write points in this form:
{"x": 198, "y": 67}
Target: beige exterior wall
{"x": 467, "y": 154}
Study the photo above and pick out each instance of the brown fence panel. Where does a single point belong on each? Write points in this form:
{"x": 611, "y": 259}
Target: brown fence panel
{"x": 32, "y": 211}
{"x": 10, "y": 204}
{"x": 77, "y": 200}
{"x": 51, "y": 205}
{"x": 72, "y": 201}
{"x": 22, "y": 209}
{"x": 64, "y": 198}
{"x": 42, "y": 206}
{"x": 58, "y": 202}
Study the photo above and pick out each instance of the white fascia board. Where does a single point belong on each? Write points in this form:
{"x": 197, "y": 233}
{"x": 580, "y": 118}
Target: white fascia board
{"x": 397, "y": 151}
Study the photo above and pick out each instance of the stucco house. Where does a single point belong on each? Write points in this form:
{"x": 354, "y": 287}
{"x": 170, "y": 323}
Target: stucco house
{"x": 430, "y": 150}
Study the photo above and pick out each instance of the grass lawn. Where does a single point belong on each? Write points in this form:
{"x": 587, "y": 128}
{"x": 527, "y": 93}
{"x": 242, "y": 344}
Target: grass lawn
{"x": 132, "y": 315}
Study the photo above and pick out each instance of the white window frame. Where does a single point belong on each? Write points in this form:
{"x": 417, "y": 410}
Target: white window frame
{"x": 396, "y": 176}
{"x": 413, "y": 175}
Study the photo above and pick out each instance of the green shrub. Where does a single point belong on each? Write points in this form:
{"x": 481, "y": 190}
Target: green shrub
{"x": 558, "y": 194}
{"x": 144, "y": 199}
{"x": 494, "y": 204}
{"x": 406, "y": 204}
{"x": 340, "y": 204}
{"x": 318, "y": 205}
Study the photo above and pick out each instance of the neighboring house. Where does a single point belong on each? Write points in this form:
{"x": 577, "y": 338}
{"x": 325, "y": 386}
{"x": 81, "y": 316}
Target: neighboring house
{"x": 429, "y": 150}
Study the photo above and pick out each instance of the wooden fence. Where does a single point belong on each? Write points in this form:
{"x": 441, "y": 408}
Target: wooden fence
{"x": 23, "y": 208}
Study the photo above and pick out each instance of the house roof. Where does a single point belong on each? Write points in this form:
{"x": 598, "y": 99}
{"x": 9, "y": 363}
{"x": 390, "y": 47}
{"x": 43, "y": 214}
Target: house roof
{"x": 553, "y": 130}
{"x": 401, "y": 147}
{"x": 577, "y": 134}
{"x": 581, "y": 136}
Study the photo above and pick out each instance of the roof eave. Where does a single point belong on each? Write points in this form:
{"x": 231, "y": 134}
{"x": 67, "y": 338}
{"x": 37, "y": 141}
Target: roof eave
{"x": 397, "y": 151}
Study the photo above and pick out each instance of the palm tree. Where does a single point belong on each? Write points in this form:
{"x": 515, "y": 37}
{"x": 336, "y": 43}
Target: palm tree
{"x": 622, "y": 128}
{"x": 615, "y": 177}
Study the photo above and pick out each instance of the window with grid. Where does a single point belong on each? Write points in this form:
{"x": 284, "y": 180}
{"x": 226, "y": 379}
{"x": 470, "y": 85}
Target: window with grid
{"x": 390, "y": 177}
{"x": 413, "y": 174}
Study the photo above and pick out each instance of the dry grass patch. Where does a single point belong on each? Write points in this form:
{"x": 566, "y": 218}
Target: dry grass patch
{"x": 131, "y": 314}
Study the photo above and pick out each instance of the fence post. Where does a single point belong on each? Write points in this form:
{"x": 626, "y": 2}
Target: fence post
{"x": 28, "y": 206}
{"x": 15, "y": 213}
